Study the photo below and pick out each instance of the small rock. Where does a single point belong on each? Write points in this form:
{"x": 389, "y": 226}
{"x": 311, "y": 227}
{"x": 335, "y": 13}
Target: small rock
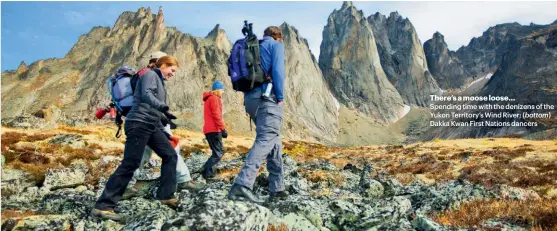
{"x": 328, "y": 166}
{"x": 69, "y": 201}
{"x": 15, "y": 181}
{"x": 551, "y": 194}
{"x": 423, "y": 223}
{"x": 347, "y": 212}
{"x": 23, "y": 145}
{"x": 352, "y": 168}
{"x": 372, "y": 188}
{"x": 81, "y": 188}
{"x": 498, "y": 224}
{"x": 196, "y": 161}
{"x": 66, "y": 177}
{"x": 73, "y": 140}
{"x": 40, "y": 222}
{"x": 296, "y": 222}
{"x": 514, "y": 193}
{"x": 28, "y": 199}
{"x": 151, "y": 170}
{"x": 109, "y": 159}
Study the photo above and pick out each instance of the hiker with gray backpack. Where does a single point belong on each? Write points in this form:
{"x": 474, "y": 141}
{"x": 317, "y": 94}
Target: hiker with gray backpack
{"x": 257, "y": 69}
{"x": 183, "y": 177}
{"x": 144, "y": 127}
{"x": 121, "y": 87}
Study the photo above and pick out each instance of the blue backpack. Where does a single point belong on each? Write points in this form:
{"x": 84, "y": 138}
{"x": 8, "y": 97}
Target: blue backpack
{"x": 244, "y": 65}
{"x": 121, "y": 87}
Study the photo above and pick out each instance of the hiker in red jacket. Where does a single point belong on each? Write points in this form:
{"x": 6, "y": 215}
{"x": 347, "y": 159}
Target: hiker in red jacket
{"x": 213, "y": 128}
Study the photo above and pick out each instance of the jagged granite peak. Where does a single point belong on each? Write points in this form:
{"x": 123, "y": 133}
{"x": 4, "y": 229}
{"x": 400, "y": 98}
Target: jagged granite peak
{"x": 484, "y": 54}
{"x": 350, "y": 63}
{"x": 403, "y": 58}
{"x": 219, "y": 36}
{"x": 379, "y": 17}
{"x": 309, "y": 104}
{"x": 447, "y": 70}
{"x": 346, "y": 4}
{"x": 438, "y": 35}
{"x": 395, "y": 16}
{"x": 21, "y": 68}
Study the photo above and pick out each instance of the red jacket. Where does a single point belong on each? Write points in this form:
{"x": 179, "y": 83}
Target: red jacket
{"x": 212, "y": 113}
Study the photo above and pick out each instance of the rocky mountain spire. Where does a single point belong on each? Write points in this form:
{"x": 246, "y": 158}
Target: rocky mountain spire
{"x": 446, "y": 69}
{"x": 346, "y": 4}
{"x": 403, "y": 59}
{"x": 350, "y": 63}
{"x": 219, "y": 36}
{"x": 21, "y": 68}
{"x": 307, "y": 96}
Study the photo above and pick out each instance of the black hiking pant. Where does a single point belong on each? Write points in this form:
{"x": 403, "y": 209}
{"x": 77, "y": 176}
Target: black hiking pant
{"x": 138, "y": 135}
{"x": 215, "y": 143}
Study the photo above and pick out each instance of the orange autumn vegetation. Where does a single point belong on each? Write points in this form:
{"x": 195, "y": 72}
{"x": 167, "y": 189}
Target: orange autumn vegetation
{"x": 539, "y": 214}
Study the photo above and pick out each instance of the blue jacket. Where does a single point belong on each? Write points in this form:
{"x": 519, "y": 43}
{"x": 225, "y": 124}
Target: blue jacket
{"x": 272, "y": 59}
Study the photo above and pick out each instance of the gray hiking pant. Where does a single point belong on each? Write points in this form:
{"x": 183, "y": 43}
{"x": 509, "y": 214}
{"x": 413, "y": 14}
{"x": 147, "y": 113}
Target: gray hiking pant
{"x": 267, "y": 116}
{"x": 182, "y": 171}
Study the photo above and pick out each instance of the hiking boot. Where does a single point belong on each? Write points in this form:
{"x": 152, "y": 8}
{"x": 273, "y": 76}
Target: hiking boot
{"x": 241, "y": 193}
{"x": 190, "y": 185}
{"x": 106, "y": 214}
{"x": 282, "y": 195}
{"x": 172, "y": 203}
{"x": 210, "y": 179}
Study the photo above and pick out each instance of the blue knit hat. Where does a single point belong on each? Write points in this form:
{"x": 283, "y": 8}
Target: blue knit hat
{"x": 218, "y": 85}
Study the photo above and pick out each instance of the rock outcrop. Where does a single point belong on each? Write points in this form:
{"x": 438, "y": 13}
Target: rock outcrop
{"x": 443, "y": 63}
{"x": 309, "y": 104}
{"x": 403, "y": 59}
{"x": 219, "y": 36}
{"x": 351, "y": 65}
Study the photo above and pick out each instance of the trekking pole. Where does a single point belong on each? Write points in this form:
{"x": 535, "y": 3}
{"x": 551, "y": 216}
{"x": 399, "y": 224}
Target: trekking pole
{"x": 245, "y": 28}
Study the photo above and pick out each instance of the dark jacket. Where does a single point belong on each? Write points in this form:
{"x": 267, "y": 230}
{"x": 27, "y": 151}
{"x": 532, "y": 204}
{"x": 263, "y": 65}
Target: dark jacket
{"x": 149, "y": 98}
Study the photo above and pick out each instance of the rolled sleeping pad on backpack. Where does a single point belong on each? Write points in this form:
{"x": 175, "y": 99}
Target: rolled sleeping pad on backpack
{"x": 174, "y": 141}
{"x": 100, "y": 113}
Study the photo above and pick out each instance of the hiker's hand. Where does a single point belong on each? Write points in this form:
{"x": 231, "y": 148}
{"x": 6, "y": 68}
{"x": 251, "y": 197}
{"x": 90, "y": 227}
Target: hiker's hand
{"x": 172, "y": 125}
{"x": 224, "y": 134}
{"x": 280, "y": 102}
{"x": 169, "y": 115}
{"x": 164, "y": 121}
{"x": 165, "y": 108}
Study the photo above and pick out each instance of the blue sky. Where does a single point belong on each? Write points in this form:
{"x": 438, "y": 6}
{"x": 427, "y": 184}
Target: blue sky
{"x": 39, "y": 30}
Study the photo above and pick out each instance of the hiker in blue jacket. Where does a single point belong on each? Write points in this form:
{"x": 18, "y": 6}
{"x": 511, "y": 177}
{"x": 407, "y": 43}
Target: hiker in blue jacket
{"x": 266, "y": 112}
